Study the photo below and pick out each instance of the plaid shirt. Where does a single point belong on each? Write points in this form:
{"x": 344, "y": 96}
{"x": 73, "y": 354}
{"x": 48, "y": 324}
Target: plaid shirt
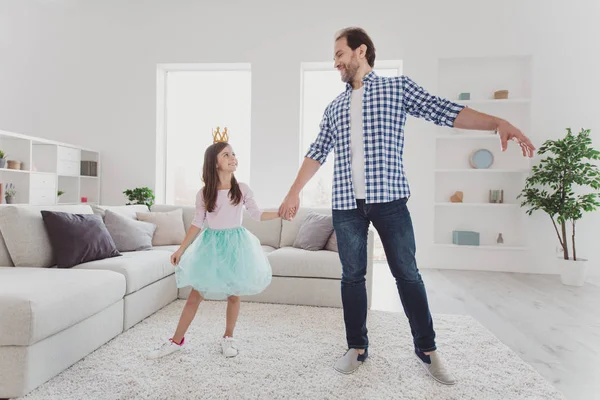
{"x": 386, "y": 102}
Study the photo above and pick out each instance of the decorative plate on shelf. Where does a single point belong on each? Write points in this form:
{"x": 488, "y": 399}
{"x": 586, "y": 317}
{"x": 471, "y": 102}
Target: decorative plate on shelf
{"x": 481, "y": 159}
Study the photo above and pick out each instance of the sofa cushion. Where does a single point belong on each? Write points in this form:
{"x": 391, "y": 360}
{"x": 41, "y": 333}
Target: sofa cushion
{"x": 36, "y": 303}
{"x": 141, "y": 268}
{"x": 5, "y": 260}
{"x": 125, "y": 211}
{"x": 173, "y": 249}
{"x": 290, "y": 229}
{"x": 267, "y": 232}
{"x": 268, "y": 249}
{"x": 129, "y": 234}
{"x": 188, "y": 212}
{"x": 331, "y": 244}
{"x": 293, "y": 262}
{"x": 23, "y": 230}
{"x": 169, "y": 248}
{"x": 78, "y": 238}
{"x": 314, "y": 232}
{"x": 169, "y": 226}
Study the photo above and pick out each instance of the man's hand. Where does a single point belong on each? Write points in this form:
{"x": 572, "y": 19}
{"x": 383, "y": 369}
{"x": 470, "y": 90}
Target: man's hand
{"x": 508, "y": 132}
{"x": 289, "y": 206}
{"x": 471, "y": 119}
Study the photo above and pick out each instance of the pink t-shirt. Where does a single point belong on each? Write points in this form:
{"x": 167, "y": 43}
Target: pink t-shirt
{"x": 226, "y": 215}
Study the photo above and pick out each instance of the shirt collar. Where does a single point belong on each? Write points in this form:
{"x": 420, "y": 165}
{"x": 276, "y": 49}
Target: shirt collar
{"x": 370, "y": 77}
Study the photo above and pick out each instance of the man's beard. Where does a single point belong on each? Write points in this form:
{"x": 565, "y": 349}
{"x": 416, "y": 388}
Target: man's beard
{"x": 350, "y": 71}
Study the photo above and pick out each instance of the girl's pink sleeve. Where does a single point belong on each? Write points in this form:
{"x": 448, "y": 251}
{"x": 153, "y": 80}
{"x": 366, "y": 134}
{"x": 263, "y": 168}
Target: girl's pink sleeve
{"x": 200, "y": 211}
{"x": 250, "y": 203}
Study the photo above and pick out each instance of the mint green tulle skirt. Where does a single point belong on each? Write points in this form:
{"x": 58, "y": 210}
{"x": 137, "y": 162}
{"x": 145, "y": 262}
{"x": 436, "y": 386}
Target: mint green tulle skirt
{"x": 224, "y": 262}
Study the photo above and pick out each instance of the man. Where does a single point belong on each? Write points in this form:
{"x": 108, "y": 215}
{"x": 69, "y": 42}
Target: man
{"x": 365, "y": 127}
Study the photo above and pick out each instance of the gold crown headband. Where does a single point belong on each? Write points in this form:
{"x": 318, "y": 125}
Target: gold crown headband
{"x": 220, "y": 136}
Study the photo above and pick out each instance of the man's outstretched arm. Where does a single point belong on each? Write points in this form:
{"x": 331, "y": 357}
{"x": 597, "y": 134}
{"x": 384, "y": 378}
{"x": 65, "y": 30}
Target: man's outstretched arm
{"x": 419, "y": 103}
{"x": 471, "y": 119}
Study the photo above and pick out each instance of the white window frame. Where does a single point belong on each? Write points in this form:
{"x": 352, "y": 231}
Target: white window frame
{"x": 162, "y": 71}
{"x": 328, "y": 66}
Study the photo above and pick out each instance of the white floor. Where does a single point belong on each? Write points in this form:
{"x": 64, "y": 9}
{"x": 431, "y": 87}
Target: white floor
{"x": 555, "y": 328}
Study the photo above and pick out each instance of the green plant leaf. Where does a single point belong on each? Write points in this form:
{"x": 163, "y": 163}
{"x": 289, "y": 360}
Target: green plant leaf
{"x": 142, "y": 195}
{"x": 557, "y": 183}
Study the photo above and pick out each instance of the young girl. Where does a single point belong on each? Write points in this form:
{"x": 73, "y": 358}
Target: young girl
{"x": 226, "y": 260}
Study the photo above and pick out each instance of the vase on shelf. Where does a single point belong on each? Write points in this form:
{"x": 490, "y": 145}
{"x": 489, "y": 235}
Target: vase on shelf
{"x": 500, "y": 239}
{"x": 496, "y": 196}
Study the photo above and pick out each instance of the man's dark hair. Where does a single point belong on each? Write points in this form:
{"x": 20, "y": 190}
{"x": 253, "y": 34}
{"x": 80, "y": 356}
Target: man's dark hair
{"x": 357, "y": 37}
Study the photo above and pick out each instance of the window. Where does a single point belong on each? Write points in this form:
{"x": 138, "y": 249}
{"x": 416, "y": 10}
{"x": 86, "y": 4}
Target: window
{"x": 192, "y": 101}
{"x": 320, "y": 85}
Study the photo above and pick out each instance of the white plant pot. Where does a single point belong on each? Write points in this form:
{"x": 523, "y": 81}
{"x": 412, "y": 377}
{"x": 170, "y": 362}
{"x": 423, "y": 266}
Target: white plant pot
{"x": 572, "y": 273}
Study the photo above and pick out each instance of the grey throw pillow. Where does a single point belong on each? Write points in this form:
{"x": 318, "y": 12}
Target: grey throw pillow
{"x": 129, "y": 234}
{"x": 331, "y": 244}
{"x": 314, "y": 232}
{"x": 78, "y": 238}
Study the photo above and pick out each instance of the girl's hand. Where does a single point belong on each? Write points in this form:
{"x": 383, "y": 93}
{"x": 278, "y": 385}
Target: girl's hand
{"x": 175, "y": 257}
{"x": 289, "y": 207}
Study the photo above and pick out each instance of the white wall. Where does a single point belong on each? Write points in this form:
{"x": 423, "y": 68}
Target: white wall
{"x": 85, "y": 71}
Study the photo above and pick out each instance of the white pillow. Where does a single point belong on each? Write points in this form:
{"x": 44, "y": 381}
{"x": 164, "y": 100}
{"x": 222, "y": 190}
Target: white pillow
{"x": 169, "y": 226}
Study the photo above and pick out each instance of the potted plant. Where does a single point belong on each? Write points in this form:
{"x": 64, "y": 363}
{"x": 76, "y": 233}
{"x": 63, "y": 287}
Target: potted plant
{"x": 142, "y": 195}
{"x": 10, "y": 193}
{"x": 59, "y": 193}
{"x": 558, "y": 186}
{"x": 2, "y": 159}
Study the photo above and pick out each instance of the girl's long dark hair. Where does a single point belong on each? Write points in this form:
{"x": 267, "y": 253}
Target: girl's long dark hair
{"x": 210, "y": 176}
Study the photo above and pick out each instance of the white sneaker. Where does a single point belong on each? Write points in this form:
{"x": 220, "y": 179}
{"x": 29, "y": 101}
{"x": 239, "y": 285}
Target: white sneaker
{"x": 228, "y": 347}
{"x": 166, "y": 348}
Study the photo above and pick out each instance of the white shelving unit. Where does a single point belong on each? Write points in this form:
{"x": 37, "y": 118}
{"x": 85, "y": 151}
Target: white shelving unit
{"x": 46, "y": 168}
{"x": 481, "y": 77}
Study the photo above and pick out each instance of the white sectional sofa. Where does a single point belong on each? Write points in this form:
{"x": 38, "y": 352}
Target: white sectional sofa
{"x": 50, "y": 318}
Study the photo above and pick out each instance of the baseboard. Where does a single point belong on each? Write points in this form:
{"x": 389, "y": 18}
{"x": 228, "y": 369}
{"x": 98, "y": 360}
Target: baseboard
{"x": 513, "y": 268}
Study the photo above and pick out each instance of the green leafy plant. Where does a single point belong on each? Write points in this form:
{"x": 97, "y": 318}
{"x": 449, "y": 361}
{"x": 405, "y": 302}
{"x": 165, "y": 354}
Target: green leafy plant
{"x": 2, "y": 155}
{"x": 142, "y": 195}
{"x": 60, "y": 193}
{"x": 10, "y": 190}
{"x": 554, "y": 181}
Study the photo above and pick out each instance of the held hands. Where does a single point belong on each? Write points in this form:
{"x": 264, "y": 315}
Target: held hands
{"x": 508, "y": 132}
{"x": 289, "y": 207}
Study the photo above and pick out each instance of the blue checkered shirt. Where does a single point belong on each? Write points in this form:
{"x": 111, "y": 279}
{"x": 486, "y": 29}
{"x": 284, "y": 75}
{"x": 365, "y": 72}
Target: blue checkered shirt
{"x": 386, "y": 103}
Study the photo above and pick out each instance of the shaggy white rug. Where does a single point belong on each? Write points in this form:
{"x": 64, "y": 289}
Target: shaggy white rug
{"x": 287, "y": 352}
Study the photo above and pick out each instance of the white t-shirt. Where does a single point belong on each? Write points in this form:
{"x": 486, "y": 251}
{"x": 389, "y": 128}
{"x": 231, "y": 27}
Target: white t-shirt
{"x": 357, "y": 150}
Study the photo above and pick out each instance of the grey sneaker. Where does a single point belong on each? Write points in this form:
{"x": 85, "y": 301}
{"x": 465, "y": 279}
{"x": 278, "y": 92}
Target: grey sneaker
{"x": 434, "y": 367}
{"x": 350, "y": 361}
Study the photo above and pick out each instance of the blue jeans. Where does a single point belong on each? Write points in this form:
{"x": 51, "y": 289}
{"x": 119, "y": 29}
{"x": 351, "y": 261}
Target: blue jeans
{"x": 393, "y": 223}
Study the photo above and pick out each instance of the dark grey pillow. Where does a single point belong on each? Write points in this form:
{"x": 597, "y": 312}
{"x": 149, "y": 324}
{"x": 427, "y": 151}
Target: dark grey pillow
{"x": 129, "y": 234}
{"x": 78, "y": 238}
{"x": 314, "y": 232}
